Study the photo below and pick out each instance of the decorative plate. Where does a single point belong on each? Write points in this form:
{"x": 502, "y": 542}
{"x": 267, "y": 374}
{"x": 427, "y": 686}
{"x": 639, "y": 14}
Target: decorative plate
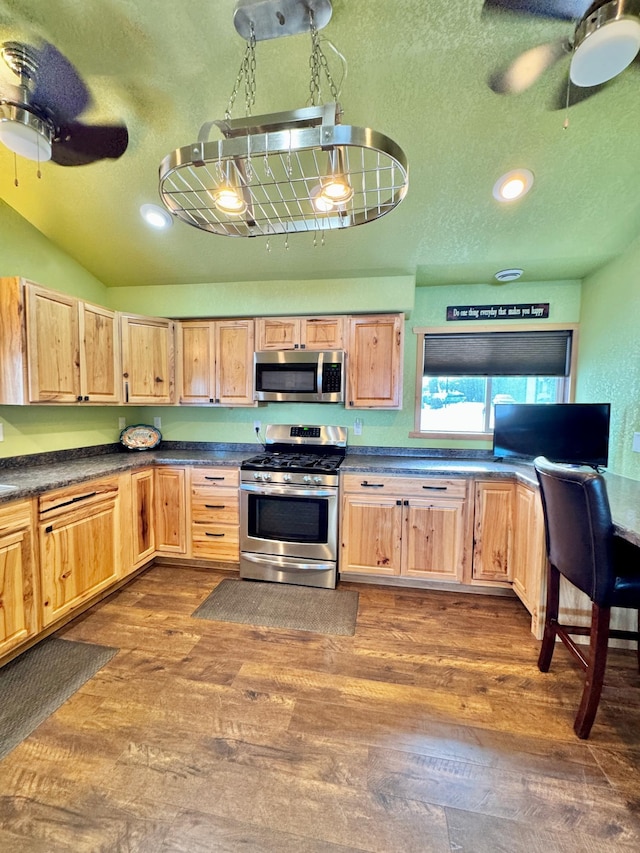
{"x": 140, "y": 437}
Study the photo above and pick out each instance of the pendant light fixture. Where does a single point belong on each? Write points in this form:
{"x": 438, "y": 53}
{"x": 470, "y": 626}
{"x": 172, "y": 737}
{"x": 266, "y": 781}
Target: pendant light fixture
{"x": 287, "y": 172}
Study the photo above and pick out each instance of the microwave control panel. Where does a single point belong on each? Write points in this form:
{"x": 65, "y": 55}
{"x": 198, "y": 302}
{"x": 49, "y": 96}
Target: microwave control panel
{"x": 331, "y": 378}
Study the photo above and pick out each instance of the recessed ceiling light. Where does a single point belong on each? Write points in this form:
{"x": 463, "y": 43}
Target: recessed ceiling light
{"x": 513, "y": 185}
{"x": 155, "y": 216}
{"x": 508, "y": 275}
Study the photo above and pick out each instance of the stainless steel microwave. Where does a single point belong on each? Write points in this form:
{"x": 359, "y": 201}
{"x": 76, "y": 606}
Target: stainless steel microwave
{"x": 299, "y": 376}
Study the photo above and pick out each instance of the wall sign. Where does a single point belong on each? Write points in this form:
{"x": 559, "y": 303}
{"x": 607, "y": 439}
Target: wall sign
{"x": 519, "y": 311}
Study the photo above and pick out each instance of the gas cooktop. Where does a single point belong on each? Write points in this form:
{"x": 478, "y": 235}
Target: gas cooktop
{"x": 292, "y": 462}
{"x": 300, "y": 449}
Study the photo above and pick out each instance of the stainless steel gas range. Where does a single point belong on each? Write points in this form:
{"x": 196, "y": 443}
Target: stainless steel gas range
{"x": 289, "y": 506}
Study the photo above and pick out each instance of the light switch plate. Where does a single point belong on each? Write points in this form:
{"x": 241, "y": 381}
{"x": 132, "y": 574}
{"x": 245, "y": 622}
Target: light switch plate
{"x": 157, "y": 422}
{"x": 122, "y": 422}
{"x": 1, "y": 432}
{"x": 636, "y": 442}
{"x": 357, "y": 426}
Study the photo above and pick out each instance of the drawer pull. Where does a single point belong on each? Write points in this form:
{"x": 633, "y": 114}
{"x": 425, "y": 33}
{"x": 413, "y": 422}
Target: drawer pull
{"x": 368, "y": 485}
{"x": 214, "y": 478}
{"x": 435, "y": 488}
{"x": 214, "y": 506}
{"x": 215, "y": 535}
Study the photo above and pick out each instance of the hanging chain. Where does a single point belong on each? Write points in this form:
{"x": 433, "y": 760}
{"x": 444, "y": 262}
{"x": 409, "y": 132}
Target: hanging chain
{"x": 247, "y": 72}
{"x": 318, "y": 63}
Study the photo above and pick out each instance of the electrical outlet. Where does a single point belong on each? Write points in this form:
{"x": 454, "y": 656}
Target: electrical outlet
{"x": 122, "y": 422}
{"x": 636, "y": 442}
{"x": 257, "y": 425}
{"x": 157, "y": 422}
{"x": 1, "y": 432}
{"x": 357, "y": 426}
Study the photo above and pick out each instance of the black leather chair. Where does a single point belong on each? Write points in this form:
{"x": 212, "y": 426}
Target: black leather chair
{"x": 582, "y": 546}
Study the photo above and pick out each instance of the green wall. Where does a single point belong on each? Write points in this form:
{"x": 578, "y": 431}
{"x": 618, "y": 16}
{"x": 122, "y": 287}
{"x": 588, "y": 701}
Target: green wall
{"x": 26, "y": 252}
{"x": 609, "y": 362}
{"x": 386, "y": 429}
{"x": 610, "y": 353}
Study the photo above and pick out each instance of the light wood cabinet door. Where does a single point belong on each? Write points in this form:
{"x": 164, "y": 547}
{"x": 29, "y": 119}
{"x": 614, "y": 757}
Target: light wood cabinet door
{"x": 19, "y": 600}
{"x": 196, "y": 362}
{"x": 234, "y": 362}
{"x": 322, "y": 333}
{"x": 99, "y": 354}
{"x": 433, "y": 539}
{"x": 13, "y": 342}
{"x": 529, "y": 553}
{"x": 374, "y": 363}
{"x": 52, "y": 346}
{"x": 147, "y": 359}
{"x": 143, "y": 535}
{"x": 170, "y": 516}
{"x": 215, "y": 362}
{"x": 371, "y": 535}
{"x": 493, "y": 531}
{"x": 275, "y": 333}
{"x": 79, "y": 555}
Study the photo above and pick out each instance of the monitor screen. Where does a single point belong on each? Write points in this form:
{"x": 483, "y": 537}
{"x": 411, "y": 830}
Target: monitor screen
{"x": 571, "y": 433}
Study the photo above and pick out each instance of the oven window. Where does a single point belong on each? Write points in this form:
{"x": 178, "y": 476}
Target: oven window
{"x": 286, "y": 519}
{"x": 283, "y": 377}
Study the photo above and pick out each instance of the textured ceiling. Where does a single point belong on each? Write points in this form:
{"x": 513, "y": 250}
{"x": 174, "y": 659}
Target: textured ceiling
{"x": 417, "y": 71}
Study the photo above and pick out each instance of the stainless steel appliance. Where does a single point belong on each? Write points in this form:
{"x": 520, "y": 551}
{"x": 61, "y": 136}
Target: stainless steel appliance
{"x": 299, "y": 376}
{"x": 289, "y": 506}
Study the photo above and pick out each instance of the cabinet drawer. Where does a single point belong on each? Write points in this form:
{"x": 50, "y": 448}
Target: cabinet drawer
{"x": 215, "y": 477}
{"x": 423, "y": 487}
{"x": 69, "y": 498}
{"x": 215, "y": 541}
{"x": 218, "y": 506}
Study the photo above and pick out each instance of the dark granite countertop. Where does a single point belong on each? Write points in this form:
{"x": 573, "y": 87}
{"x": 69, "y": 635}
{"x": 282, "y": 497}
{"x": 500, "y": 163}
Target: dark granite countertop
{"x": 24, "y": 480}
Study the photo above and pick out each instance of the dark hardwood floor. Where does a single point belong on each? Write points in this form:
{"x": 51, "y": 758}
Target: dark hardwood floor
{"x": 429, "y": 730}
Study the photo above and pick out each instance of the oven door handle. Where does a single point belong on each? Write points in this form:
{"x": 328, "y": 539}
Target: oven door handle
{"x": 287, "y": 564}
{"x": 287, "y": 490}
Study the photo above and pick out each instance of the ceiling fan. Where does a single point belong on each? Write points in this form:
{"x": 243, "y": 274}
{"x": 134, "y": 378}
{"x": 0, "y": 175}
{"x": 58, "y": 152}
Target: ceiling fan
{"x": 38, "y": 116}
{"x": 605, "y": 41}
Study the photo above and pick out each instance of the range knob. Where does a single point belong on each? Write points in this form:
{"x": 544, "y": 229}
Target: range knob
{"x": 317, "y": 480}
{"x": 257, "y": 476}
{"x": 306, "y": 478}
{"x": 286, "y": 478}
{"x": 266, "y": 476}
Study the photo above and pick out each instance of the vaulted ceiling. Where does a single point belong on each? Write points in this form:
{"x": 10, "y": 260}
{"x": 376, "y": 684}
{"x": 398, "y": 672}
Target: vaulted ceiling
{"x": 417, "y": 70}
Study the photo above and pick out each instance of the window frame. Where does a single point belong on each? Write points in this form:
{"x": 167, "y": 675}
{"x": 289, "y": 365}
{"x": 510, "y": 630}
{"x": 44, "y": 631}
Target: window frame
{"x": 420, "y": 331}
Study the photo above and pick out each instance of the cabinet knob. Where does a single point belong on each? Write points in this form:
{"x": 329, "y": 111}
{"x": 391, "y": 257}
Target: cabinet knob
{"x": 125, "y": 375}
{"x": 86, "y": 399}
{"x": 79, "y": 398}
{"x": 159, "y": 379}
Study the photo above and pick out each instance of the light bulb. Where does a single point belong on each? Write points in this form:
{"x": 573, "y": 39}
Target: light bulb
{"x": 320, "y": 202}
{"x": 337, "y": 190}
{"x": 513, "y": 185}
{"x": 228, "y": 200}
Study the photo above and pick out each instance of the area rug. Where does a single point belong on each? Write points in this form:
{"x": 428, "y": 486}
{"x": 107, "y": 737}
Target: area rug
{"x": 38, "y": 682}
{"x": 278, "y": 605}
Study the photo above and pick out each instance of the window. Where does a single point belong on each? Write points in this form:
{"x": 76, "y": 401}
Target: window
{"x": 462, "y": 375}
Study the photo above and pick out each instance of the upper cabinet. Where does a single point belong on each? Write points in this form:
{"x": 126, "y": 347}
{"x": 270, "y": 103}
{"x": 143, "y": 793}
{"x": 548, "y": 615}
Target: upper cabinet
{"x": 314, "y": 333}
{"x": 215, "y": 361}
{"x": 374, "y": 363}
{"x": 55, "y": 348}
{"x": 147, "y": 359}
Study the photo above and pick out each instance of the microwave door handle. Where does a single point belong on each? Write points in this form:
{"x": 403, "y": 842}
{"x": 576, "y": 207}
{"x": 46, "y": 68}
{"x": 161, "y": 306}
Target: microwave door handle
{"x": 320, "y": 365}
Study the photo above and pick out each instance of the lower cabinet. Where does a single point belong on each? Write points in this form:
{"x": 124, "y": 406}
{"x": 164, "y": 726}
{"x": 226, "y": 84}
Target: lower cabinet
{"x": 413, "y": 527}
{"x": 493, "y": 531}
{"x": 215, "y": 524}
{"x": 19, "y": 598}
{"x": 143, "y": 540}
{"x": 529, "y": 552}
{"x": 170, "y": 509}
{"x": 80, "y": 553}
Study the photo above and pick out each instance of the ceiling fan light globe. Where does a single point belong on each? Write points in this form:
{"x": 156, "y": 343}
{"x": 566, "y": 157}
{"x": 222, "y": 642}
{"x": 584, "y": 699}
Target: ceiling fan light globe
{"x": 25, "y": 134}
{"x": 605, "y": 52}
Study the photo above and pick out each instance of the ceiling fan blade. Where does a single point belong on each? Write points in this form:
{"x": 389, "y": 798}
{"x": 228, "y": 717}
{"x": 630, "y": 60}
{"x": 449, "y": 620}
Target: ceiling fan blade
{"x": 528, "y": 67}
{"x": 566, "y": 10}
{"x": 80, "y": 144}
{"x": 58, "y": 88}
